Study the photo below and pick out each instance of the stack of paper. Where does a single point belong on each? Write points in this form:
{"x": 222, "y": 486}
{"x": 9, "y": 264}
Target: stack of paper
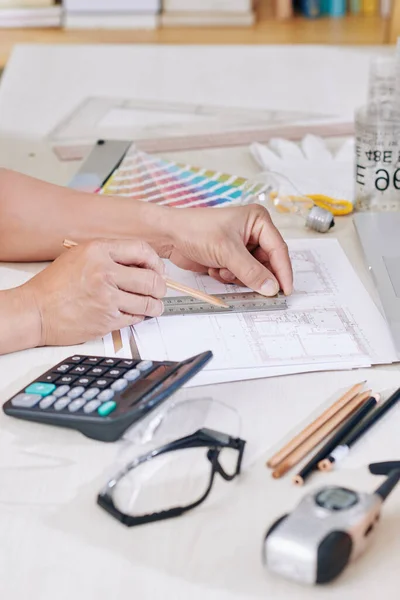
{"x": 331, "y": 323}
{"x": 29, "y": 13}
{"x": 111, "y": 14}
{"x": 207, "y": 13}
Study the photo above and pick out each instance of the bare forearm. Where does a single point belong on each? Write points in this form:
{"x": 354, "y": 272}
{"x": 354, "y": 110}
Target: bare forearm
{"x": 19, "y": 321}
{"x": 35, "y": 217}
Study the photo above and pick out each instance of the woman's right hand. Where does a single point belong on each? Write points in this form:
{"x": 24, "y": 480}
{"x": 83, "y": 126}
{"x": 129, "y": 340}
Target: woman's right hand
{"x": 96, "y": 288}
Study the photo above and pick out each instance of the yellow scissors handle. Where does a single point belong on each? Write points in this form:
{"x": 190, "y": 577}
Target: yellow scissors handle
{"x": 336, "y": 207}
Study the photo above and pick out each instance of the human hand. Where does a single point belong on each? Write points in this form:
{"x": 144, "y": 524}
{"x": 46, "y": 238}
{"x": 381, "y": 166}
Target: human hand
{"x": 96, "y": 288}
{"x": 233, "y": 245}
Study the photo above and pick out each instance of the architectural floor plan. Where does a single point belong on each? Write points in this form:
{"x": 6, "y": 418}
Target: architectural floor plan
{"x": 330, "y": 323}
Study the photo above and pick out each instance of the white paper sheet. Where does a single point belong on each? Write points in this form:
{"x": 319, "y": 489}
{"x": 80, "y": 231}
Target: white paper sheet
{"x": 10, "y": 278}
{"x": 331, "y": 323}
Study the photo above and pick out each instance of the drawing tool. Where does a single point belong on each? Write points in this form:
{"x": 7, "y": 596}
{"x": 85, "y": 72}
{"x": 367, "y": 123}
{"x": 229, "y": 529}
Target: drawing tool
{"x": 337, "y": 437}
{"x": 240, "y": 302}
{"x": 315, "y": 425}
{"x": 214, "y": 301}
{"x": 343, "y": 449}
{"x": 78, "y": 151}
{"x": 301, "y": 452}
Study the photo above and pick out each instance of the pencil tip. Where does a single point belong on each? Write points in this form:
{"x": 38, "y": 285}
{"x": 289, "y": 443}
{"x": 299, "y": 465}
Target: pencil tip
{"x": 298, "y": 480}
{"x": 324, "y": 465}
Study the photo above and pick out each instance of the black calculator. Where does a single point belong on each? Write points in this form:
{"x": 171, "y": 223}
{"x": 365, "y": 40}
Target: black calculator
{"x": 101, "y": 397}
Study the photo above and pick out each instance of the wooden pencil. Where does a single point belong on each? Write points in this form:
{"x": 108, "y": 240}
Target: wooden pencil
{"x": 314, "y": 426}
{"x": 174, "y": 285}
{"x": 312, "y": 442}
{"x": 348, "y": 426}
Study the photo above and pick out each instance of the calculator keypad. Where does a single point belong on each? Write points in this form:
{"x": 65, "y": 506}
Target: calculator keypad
{"x": 90, "y": 385}
{"x": 102, "y": 398}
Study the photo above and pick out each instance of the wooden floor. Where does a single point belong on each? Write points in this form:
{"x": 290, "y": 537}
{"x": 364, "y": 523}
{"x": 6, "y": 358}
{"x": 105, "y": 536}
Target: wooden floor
{"x": 348, "y": 30}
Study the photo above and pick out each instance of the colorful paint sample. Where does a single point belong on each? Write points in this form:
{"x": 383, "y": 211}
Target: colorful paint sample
{"x": 153, "y": 179}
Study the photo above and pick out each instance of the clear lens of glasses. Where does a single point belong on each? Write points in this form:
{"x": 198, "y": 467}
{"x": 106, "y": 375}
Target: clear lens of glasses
{"x": 176, "y": 478}
{"x": 175, "y": 419}
{"x": 172, "y": 480}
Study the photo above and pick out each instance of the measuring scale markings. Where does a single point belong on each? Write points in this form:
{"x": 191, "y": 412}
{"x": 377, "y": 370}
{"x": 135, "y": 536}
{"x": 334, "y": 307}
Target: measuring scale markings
{"x": 239, "y": 302}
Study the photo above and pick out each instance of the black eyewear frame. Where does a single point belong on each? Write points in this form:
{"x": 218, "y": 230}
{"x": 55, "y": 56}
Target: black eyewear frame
{"x": 215, "y": 441}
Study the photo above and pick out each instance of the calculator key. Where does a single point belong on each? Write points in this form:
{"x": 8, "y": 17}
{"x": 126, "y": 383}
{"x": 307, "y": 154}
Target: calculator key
{"x": 80, "y": 369}
{"x": 50, "y": 377}
{"x": 103, "y": 382}
{"x": 61, "y": 390}
{"x": 91, "y": 406}
{"x": 107, "y": 408}
{"x": 75, "y": 392}
{"x": 64, "y": 368}
{"x": 76, "y": 405}
{"x": 61, "y": 403}
{"x": 105, "y": 395}
{"x": 90, "y": 393}
{"x": 119, "y": 385}
{"x": 97, "y": 371}
{"x": 85, "y": 381}
{"x": 67, "y": 379}
{"x": 26, "y": 400}
{"x": 44, "y": 389}
{"x": 92, "y": 360}
{"x": 115, "y": 373}
{"x": 76, "y": 359}
{"x": 47, "y": 402}
{"x": 132, "y": 375}
{"x": 127, "y": 364}
{"x": 110, "y": 362}
{"x": 145, "y": 365}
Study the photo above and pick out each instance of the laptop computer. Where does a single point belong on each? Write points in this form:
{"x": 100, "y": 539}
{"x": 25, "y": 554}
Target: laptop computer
{"x": 379, "y": 234}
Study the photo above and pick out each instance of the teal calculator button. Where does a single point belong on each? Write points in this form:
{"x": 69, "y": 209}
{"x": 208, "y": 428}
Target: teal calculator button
{"x": 44, "y": 389}
{"x": 107, "y": 408}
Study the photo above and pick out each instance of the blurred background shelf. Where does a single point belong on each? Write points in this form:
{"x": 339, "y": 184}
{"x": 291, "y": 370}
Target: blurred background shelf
{"x": 346, "y": 30}
{"x": 299, "y": 30}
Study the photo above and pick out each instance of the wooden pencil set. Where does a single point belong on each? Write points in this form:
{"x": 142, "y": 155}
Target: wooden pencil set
{"x": 338, "y": 428}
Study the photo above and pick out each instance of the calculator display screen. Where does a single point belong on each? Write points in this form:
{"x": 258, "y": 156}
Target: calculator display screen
{"x": 158, "y": 373}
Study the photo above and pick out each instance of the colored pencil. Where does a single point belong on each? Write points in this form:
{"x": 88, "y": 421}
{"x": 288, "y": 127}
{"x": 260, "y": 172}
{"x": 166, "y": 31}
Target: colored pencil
{"x": 312, "y": 442}
{"x": 174, "y": 285}
{"x": 343, "y": 448}
{"x": 337, "y": 437}
{"x": 315, "y": 425}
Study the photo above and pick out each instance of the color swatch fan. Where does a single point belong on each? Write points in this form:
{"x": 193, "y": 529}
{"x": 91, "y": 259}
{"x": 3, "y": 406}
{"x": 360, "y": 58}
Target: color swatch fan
{"x": 152, "y": 179}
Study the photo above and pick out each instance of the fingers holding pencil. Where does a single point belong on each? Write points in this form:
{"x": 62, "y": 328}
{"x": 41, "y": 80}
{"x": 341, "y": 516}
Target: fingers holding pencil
{"x": 174, "y": 285}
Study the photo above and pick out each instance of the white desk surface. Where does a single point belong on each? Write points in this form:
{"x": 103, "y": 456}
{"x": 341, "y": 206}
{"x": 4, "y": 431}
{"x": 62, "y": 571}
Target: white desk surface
{"x": 55, "y": 543}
